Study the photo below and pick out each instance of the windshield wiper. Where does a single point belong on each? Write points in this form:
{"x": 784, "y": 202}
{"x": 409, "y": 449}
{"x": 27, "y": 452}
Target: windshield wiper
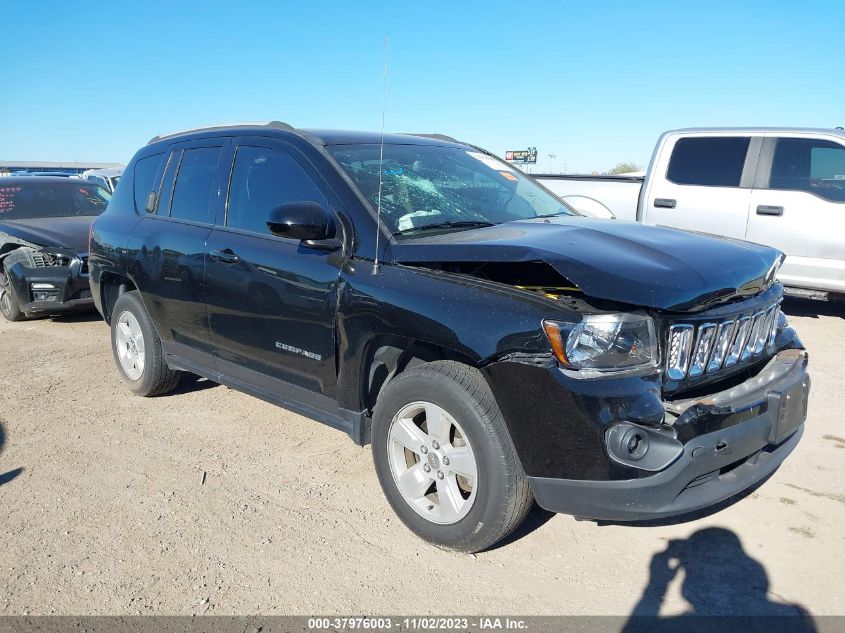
{"x": 446, "y": 225}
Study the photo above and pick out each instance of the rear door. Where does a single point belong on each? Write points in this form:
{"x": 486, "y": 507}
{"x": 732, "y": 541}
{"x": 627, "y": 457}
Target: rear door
{"x": 798, "y": 206}
{"x": 167, "y": 248}
{"x": 703, "y": 183}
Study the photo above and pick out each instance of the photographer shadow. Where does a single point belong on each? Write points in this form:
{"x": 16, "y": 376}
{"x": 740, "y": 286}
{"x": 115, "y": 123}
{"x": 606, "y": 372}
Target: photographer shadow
{"x": 12, "y": 474}
{"x": 720, "y": 579}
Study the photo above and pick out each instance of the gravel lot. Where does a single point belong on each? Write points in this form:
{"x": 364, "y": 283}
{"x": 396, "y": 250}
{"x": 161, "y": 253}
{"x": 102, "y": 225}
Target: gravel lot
{"x": 210, "y": 501}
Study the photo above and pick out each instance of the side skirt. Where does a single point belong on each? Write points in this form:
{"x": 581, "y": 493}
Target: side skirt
{"x": 283, "y": 394}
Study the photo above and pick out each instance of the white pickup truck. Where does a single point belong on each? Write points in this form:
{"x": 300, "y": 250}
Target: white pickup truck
{"x": 776, "y": 186}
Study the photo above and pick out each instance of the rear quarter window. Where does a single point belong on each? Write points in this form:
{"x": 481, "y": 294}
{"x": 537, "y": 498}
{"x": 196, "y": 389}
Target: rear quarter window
{"x": 145, "y": 173}
{"x": 708, "y": 161}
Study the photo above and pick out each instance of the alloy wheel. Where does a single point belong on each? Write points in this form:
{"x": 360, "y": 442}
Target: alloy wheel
{"x": 129, "y": 340}
{"x": 432, "y": 462}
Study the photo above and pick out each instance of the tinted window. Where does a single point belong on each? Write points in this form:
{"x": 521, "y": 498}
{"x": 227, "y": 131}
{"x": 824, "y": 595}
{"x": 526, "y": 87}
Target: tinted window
{"x": 714, "y": 162}
{"x": 263, "y": 179}
{"x": 192, "y": 191}
{"x": 39, "y": 199}
{"x": 145, "y": 173}
{"x": 809, "y": 165}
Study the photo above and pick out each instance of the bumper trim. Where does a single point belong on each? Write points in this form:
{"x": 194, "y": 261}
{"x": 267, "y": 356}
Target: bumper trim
{"x": 71, "y": 289}
{"x": 731, "y": 440}
{"x": 678, "y": 490}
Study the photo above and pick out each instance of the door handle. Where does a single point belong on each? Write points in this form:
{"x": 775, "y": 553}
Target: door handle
{"x": 225, "y": 256}
{"x": 664, "y": 203}
{"x": 765, "y": 209}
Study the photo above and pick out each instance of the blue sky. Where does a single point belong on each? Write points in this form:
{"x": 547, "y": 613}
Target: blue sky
{"x": 593, "y": 82}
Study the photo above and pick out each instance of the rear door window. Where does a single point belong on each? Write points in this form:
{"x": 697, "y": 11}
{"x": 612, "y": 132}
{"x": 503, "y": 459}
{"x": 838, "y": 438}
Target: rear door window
{"x": 812, "y": 165}
{"x": 263, "y": 179}
{"x": 194, "y": 181}
{"x": 708, "y": 161}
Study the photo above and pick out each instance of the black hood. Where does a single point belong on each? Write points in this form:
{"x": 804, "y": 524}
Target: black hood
{"x": 648, "y": 266}
{"x": 71, "y": 232}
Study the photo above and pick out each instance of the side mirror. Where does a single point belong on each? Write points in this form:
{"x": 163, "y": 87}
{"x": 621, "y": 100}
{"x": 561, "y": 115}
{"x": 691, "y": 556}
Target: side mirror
{"x": 304, "y": 221}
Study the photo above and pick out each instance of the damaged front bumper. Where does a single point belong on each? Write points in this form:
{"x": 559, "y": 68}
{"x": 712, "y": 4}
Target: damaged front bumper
{"x": 51, "y": 289}
{"x": 723, "y": 443}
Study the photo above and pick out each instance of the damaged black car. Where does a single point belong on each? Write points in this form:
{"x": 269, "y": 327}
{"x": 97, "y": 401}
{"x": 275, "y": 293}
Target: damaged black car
{"x": 44, "y": 227}
{"x": 494, "y": 346}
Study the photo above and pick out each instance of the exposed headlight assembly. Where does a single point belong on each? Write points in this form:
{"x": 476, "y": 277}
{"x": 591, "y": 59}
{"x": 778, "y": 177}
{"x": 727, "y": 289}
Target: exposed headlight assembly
{"x": 45, "y": 258}
{"x": 602, "y": 343}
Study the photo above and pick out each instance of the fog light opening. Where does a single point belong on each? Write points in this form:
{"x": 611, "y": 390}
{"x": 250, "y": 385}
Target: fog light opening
{"x": 43, "y": 292}
{"x": 641, "y": 447}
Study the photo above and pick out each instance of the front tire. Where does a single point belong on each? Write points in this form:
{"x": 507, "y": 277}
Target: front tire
{"x": 137, "y": 349}
{"x": 445, "y": 460}
{"x": 9, "y": 304}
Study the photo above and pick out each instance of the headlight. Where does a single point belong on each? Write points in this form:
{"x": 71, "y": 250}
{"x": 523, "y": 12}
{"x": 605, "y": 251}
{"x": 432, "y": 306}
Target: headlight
{"x": 604, "y": 342}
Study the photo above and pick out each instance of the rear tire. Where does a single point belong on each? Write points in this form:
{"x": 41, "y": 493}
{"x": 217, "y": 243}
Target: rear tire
{"x": 445, "y": 460}
{"x": 137, "y": 349}
{"x": 9, "y": 304}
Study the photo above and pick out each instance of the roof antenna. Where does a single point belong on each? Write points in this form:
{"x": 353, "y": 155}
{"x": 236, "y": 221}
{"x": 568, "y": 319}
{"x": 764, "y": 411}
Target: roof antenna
{"x": 381, "y": 160}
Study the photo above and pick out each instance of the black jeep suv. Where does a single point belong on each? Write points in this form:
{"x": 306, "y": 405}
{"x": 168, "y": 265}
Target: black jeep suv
{"x": 422, "y": 295}
{"x": 44, "y": 226}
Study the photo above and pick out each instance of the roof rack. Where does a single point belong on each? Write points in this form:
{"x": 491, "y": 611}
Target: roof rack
{"x": 436, "y": 137}
{"x": 279, "y": 125}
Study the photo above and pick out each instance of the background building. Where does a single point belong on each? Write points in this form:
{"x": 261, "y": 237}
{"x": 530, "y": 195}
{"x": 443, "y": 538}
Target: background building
{"x": 8, "y": 167}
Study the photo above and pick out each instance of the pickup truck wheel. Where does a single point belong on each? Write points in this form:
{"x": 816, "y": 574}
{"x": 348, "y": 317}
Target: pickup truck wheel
{"x": 137, "y": 349}
{"x": 9, "y": 305}
{"x": 445, "y": 460}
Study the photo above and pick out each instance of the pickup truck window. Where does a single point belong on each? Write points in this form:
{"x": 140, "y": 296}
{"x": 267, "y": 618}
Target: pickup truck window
{"x": 436, "y": 188}
{"x": 192, "y": 191}
{"x": 811, "y": 165}
{"x": 263, "y": 179}
{"x": 708, "y": 161}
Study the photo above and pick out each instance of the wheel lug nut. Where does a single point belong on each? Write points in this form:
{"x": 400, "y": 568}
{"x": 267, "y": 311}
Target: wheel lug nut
{"x": 427, "y": 468}
{"x": 435, "y": 444}
{"x": 424, "y": 450}
{"x": 440, "y": 474}
{"x": 446, "y": 460}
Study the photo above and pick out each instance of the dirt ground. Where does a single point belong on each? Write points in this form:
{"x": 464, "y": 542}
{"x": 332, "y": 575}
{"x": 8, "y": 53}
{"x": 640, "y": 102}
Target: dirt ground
{"x": 211, "y": 501}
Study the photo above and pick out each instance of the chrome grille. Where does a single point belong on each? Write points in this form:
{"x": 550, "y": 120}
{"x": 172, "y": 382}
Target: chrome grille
{"x": 709, "y": 347}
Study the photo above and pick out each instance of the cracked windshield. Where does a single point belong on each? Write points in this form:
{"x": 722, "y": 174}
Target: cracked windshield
{"x": 428, "y": 189}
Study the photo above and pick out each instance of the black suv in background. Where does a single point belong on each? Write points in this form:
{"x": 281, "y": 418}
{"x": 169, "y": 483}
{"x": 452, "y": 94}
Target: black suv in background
{"x": 424, "y": 296}
{"x": 44, "y": 226}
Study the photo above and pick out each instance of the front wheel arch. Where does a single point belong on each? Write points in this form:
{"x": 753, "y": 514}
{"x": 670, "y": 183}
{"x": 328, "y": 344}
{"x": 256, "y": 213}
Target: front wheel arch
{"x": 387, "y": 357}
{"x": 503, "y": 495}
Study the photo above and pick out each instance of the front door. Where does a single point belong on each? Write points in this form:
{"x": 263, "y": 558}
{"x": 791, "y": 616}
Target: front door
{"x": 798, "y": 206}
{"x": 271, "y": 300}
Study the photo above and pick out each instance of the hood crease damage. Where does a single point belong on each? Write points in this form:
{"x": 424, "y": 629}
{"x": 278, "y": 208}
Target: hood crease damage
{"x": 625, "y": 262}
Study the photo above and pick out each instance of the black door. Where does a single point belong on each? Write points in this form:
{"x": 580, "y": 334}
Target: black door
{"x": 271, "y": 301}
{"x": 167, "y": 248}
